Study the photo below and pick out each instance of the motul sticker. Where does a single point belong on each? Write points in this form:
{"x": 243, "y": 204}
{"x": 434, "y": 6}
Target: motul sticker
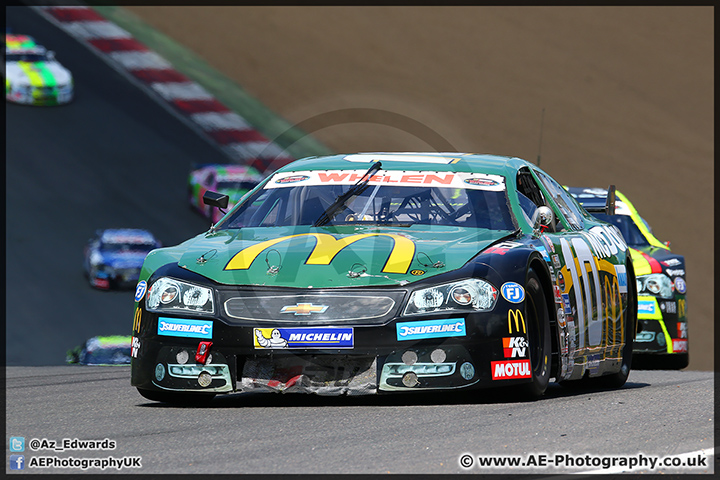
{"x": 680, "y": 346}
{"x": 509, "y": 369}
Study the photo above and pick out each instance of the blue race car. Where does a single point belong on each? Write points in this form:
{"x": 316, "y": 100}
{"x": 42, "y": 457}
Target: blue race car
{"x": 113, "y": 257}
{"x": 102, "y": 350}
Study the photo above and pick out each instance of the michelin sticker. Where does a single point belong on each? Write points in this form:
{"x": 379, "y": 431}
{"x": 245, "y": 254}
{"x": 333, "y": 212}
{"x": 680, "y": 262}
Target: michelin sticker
{"x": 303, "y": 337}
{"x": 449, "y": 327}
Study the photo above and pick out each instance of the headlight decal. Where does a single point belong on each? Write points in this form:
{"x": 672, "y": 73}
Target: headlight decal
{"x": 471, "y": 295}
{"x": 169, "y": 294}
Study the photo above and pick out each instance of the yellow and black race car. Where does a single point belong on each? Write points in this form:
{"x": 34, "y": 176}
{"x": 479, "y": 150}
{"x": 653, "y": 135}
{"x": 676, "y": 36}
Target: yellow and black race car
{"x": 662, "y": 338}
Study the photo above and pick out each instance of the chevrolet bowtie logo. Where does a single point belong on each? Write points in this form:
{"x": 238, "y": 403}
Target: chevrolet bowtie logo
{"x": 304, "y": 309}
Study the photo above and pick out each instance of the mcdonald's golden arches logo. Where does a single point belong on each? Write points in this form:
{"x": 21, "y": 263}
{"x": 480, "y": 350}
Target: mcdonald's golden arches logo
{"x": 681, "y": 308}
{"x": 517, "y": 317}
{"x": 327, "y": 247}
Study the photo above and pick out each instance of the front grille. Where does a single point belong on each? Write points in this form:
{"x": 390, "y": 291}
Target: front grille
{"x": 322, "y": 308}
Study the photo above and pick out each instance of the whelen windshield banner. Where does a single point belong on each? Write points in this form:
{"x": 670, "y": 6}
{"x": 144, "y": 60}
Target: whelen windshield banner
{"x": 401, "y": 178}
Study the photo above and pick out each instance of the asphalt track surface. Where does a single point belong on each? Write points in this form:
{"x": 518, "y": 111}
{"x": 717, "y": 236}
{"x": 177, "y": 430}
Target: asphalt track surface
{"x": 115, "y": 158}
{"x": 657, "y": 413}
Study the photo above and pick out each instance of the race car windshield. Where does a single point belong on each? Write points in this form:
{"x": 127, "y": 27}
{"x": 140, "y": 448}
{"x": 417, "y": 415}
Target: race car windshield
{"x": 127, "y": 247}
{"x": 381, "y": 203}
{"x": 25, "y": 57}
{"x": 630, "y": 231}
{"x": 235, "y": 185}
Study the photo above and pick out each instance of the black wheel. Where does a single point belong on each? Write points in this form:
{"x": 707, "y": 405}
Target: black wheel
{"x": 537, "y": 320}
{"x": 177, "y": 398}
{"x": 617, "y": 380}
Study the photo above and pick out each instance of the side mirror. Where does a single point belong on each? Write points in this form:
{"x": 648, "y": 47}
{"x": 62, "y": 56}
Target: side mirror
{"x": 215, "y": 199}
{"x": 542, "y": 219}
{"x": 610, "y": 201}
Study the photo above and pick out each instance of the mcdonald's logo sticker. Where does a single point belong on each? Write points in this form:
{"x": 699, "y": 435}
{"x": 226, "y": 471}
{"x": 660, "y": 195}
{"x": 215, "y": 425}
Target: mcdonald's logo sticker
{"x": 681, "y": 308}
{"x": 516, "y": 317}
{"x": 327, "y": 247}
{"x": 136, "y": 320}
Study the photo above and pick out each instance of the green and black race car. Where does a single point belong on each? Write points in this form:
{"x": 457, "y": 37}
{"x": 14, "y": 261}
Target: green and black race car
{"x": 662, "y": 338}
{"x": 388, "y": 272}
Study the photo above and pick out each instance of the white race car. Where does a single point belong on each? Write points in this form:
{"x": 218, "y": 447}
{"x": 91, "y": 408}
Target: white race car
{"x": 32, "y": 75}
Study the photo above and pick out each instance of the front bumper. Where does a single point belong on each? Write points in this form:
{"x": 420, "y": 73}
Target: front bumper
{"x": 40, "y": 96}
{"x": 662, "y": 326}
{"x": 375, "y": 362}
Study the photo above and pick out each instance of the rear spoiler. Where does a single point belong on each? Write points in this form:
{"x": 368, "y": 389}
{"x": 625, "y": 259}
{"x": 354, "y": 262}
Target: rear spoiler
{"x": 609, "y": 207}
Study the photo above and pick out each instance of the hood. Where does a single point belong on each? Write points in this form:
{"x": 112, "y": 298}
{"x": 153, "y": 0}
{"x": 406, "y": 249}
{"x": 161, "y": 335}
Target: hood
{"x": 38, "y": 74}
{"x": 322, "y": 257}
{"x": 650, "y": 259}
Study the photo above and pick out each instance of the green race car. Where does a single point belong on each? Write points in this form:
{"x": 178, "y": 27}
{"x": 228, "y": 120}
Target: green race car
{"x": 662, "y": 338}
{"x": 388, "y": 272}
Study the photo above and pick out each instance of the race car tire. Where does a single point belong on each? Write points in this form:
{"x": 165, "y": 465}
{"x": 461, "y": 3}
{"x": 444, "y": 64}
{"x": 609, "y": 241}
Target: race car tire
{"x": 177, "y": 398}
{"x": 537, "y": 319}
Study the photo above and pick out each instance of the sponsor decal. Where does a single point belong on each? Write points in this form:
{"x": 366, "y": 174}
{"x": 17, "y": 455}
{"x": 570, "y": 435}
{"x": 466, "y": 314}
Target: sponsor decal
{"x": 681, "y": 307}
{"x": 403, "y": 178}
{"x": 487, "y": 182}
{"x": 502, "y": 248}
{"x": 179, "y": 327}
{"x": 593, "y": 363}
{"x": 508, "y": 369}
{"x": 561, "y": 281}
{"x": 621, "y": 274}
{"x": 605, "y": 240}
{"x": 545, "y": 254}
{"x": 515, "y": 318}
{"x": 136, "y": 320}
{"x": 303, "y": 337}
{"x": 548, "y": 243}
{"x": 558, "y": 294}
{"x": 647, "y": 306}
{"x": 304, "y": 309}
{"x": 135, "y": 347}
{"x": 417, "y": 272}
{"x": 671, "y": 262}
{"x": 556, "y": 262}
{"x": 675, "y": 272}
{"x": 680, "y": 285}
{"x": 513, "y": 292}
{"x": 566, "y": 303}
{"x": 327, "y": 247}
{"x": 682, "y": 329}
{"x": 449, "y": 327}
{"x": 140, "y": 290}
{"x": 679, "y": 346}
{"x": 668, "y": 307}
{"x": 292, "y": 179}
{"x": 515, "y": 347}
{"x": 561, "y": 317}
{"x": 645, "y": 336}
